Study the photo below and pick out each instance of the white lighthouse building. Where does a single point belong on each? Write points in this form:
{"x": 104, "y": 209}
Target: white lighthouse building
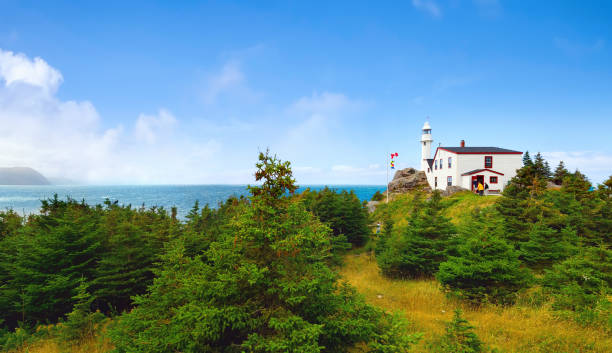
{"x": 467, "y": 166}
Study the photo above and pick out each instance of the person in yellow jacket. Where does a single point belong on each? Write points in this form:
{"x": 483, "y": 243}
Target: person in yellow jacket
{"x": 480, "y": 189}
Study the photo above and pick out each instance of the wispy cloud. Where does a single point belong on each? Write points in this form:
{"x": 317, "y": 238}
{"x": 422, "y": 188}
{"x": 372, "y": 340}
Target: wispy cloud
{"x": 595, "y": 164}
{"x": 230, "y": 77}
{"x": 575, "y": 48}
{"x": 428, "y": 6}
{"x": 488, "y": 8}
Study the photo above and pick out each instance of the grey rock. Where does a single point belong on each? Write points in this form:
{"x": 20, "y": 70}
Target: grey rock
{"x": 452, "y": 190}
{"x": 408, "y": 179}
{"x": 372, "y": 205}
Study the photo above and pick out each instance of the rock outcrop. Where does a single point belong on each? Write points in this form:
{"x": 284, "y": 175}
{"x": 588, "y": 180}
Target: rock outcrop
{"x": 408, "y": 179}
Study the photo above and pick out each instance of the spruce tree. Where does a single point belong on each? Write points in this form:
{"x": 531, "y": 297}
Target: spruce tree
{"x": 486, "y": 269}
{"x": 582, "y": 285}
{"x": 527, "y": 162}
{"x": 560, "y": 173}
{"x": 546, "y": 245}
{"x": 459, "y": 337}
{"x": 422, "y": 246}
{"x": 541, "y": 168}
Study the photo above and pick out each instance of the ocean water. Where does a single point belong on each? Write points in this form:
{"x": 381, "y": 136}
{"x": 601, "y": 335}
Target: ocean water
{"x": 26, "y": 199}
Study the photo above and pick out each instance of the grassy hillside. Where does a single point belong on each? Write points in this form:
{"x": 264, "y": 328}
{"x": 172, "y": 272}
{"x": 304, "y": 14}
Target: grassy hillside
{"x": 522, "y": 327}
{"x": 459, "y": 205}
{"x": 518, "y": 328}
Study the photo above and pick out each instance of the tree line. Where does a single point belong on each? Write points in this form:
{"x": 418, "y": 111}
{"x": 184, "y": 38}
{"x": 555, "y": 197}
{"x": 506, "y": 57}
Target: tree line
{"x": 255, "y": 274}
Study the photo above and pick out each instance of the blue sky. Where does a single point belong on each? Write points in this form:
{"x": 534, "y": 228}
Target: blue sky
{"x": 189, "y": 92}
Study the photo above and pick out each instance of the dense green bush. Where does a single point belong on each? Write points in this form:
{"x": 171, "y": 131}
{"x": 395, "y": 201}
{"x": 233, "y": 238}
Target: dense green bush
{"x": 262, "y": 287}
{"x": 580, "y": 286}
{"x": 378, "y": 196}
{"x": 342, "y": 211}
{"x": 486, "y": 269}
{"x": 418, "y": 249}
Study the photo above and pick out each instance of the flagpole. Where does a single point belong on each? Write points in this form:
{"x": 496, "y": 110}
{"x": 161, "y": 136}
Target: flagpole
{"x": 387, "y": 177}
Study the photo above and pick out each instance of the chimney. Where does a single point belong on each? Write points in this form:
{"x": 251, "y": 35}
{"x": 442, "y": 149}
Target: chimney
{"x": 462, "y": 143}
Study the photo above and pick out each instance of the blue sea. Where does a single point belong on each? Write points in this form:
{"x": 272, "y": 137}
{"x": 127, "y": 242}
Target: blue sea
{"x": 26, "y": 199}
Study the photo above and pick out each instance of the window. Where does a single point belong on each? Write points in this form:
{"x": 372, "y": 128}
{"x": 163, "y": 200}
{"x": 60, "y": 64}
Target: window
{"x": 428, "y": 170}
{"x": 493, "y": 180}
{"x": 450, "y": 162}
{"x": 435, "y": 182}
{"x": 441, "y": 163}
{"x": 488, "y": 161}
{"x": 449, "y": 181}
{"x": 436, "y": 164}
{"x": 423, "y": 143}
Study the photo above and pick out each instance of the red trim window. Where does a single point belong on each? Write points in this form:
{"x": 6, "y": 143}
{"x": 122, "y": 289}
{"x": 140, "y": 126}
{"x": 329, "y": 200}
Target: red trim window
{"x": 488, "y": 161}
{"x": 449, "y": 181}
{"x": 450, "y": 162}
{"x": 441, "y": 163}
{"x": 436, "y": 164}
{"x": 493, "y": 180}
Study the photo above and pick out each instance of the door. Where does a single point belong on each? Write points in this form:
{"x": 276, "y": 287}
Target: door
{"x": 477, "y": 179}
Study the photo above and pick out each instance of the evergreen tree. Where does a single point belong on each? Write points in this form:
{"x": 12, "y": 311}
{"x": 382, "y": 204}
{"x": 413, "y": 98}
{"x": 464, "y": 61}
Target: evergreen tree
{"x": 487, "y": 269}
{"x": 342, "y": 211}
{"x": 264, "y": 287}
{"x": 48, "y": 261}
{"x": 527, "y": 162}
{"x": 546, "y": 245}
{"x": 602, "y": 219}
{"x": 422, "y": 246}
{"x": 582, "y": 285}
{"x": 81, "y": 322}
{"x": 541, "y": 169}
{"x": 459, "y": 337}
{"x": 560, "y": 173}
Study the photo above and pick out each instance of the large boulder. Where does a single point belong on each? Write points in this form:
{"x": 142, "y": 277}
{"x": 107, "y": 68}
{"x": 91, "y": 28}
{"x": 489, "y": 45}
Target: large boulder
{"x": 408, "y": 179}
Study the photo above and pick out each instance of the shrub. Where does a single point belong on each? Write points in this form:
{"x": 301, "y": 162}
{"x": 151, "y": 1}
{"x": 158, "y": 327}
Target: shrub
{"x": 486, "y": 269}
{"x": 378, "y": 196}
{"x": 580, "y": 286}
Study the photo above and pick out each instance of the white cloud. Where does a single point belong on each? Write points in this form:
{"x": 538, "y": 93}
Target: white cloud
{"x": 67, "y": 138}
{"x": 229, "y": 78}
{"x": 595, "y": 165}
{"x": 148, "y": 127}
{"x": 18, "y": 69}
{"x": 428, "y": 6}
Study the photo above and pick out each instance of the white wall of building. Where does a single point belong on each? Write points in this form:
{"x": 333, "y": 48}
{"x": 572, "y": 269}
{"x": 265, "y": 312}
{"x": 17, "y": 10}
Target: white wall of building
{"x": 506, "y": 164}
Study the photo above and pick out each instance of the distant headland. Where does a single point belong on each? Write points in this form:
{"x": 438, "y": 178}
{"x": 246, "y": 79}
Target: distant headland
{"x": 21, "y": 176}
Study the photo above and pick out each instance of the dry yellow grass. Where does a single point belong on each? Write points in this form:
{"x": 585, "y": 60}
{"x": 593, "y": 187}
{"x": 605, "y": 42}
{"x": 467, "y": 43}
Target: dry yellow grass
{"x": 510, "y": 329}
{"x": 92, "y": 345}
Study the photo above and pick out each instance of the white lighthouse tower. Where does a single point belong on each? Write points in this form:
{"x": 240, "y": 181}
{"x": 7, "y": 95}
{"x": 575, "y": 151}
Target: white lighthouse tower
{"x": 426, "y": 141}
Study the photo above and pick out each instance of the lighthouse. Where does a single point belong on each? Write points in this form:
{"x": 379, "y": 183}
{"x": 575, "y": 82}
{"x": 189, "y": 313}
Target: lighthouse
{"x": 426, "y": 141}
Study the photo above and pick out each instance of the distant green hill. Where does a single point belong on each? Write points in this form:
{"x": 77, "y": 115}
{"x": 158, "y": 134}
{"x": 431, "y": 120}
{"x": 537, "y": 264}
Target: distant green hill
{"x": 21, "y": 176}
